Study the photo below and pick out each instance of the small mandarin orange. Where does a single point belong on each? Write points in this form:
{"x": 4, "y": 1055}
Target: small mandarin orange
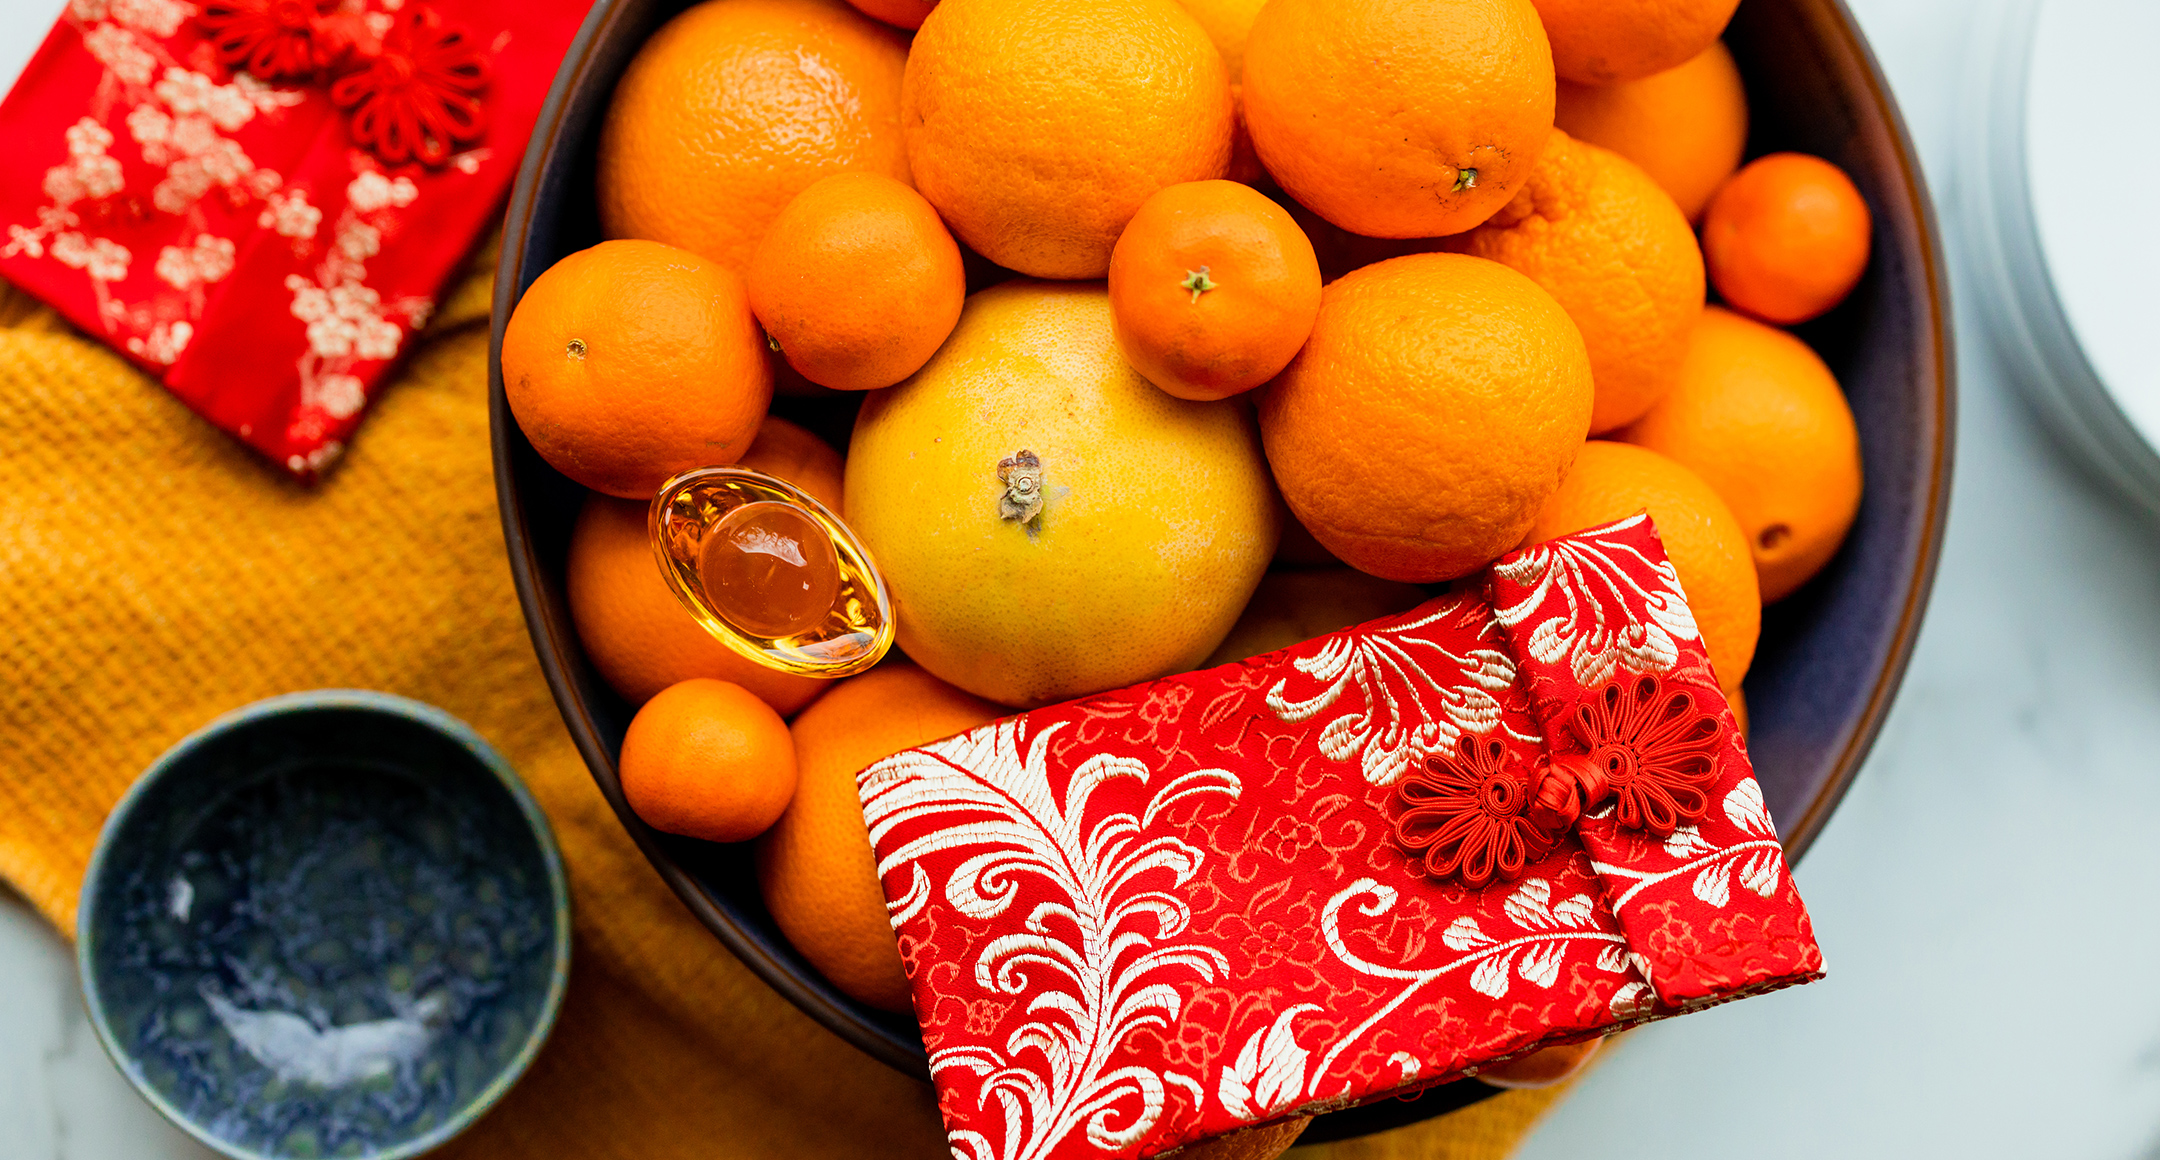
{"x": 707, "y": 759}
{"x": 1598, "y": 42}
{"x": 1612, "y": 481}
{"x": 1758, "y": 416}
{"x": 857, "y": 282}
{"x": 631, "y": 361}
{"x": 1786, "y": 238}
{"x": 1213, "y": 289}
{"x": 1687, "y": 126}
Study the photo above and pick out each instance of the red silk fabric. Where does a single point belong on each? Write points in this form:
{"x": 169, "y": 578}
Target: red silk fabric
{"x": 1175, "y": 910}
{"x": 264, "y": 252}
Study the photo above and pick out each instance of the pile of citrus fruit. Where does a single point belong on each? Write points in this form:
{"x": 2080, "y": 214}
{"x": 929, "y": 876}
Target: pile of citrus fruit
{"x": 1173, "y": 331}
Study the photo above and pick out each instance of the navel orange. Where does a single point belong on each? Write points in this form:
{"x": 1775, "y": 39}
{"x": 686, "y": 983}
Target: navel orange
{"x": 1399, "y": 118}
{"x": 814, "y": 866}
{"x": 1686, "y": 126}
{"x": 1612, "y": 481}
{"x": 1048, "y": 522}
{"x": 1758, "y": 416}
{"x": 1212, "y": 289}
{"x": 857, "y": 282}
{"x": 1037, "y": 127}
{"x": 1605, "y": 241}
{"x": 734, "y": 107}
{"x": 1436, "y": 406}
{"x": 1598, "y": 42}
{"x": 636, "y": 633}
{"x": 707, "y": 759}
{"x": 1786, "y": 238}
{"x": 631, "y": 361}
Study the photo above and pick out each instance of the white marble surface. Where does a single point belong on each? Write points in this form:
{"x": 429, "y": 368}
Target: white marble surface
{"x": 1985, "y": 895}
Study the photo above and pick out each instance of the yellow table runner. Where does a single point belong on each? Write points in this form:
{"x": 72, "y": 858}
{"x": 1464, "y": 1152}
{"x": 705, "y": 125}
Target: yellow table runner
{"x": 154, "y": 574}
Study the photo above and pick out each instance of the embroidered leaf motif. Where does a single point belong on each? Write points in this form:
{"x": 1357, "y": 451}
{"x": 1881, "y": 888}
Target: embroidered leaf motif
{"x": 1744, "y": 807}
{"x": 1527, "y": 905}
{"x": 1400, "y": 697}
{"x": 1269, "y": 1072}
{"x": 1762, "y": 872}
{"x": 1490, "y": 977}
{"x": 1407, "y": 1062}
{"x": 1574, "y": 911}
{"x": 1714, "y": 884}
{"x": 1463, "y": 934}
{"x": 1612, "y": 957}
{"x": 1687, "y": 842}
{"x": 1541, "y": 963}
{"x": 1631, "y": 1001}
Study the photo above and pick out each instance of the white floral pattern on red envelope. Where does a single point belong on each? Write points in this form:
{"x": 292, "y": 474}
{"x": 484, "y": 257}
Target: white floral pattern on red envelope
{"x": 1171, "y": 911}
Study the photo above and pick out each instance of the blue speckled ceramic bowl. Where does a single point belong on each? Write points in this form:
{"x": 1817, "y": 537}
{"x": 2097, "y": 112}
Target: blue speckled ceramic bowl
{"x": 327, "y": 924}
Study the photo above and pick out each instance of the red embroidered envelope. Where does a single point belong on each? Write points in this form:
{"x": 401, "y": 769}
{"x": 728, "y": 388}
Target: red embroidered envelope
{"x": 1175, "y": 910}
{"x": 266, "y": 242}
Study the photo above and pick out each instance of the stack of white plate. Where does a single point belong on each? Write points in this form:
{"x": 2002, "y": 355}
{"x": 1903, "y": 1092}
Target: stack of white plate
{"x": 2059, "y": 185}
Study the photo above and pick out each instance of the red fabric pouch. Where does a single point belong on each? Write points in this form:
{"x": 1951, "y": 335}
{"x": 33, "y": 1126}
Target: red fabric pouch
{"x": 1514, "y": 817}
{"x": 258, "y": 201}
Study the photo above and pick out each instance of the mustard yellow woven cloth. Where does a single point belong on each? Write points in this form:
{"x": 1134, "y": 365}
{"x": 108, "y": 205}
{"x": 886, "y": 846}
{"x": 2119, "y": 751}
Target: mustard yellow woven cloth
{"x": 154, "y": 574}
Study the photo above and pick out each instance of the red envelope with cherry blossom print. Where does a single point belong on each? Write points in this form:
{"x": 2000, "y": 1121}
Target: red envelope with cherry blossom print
{"x": 259, "y": 209}
{"x": 1327, "y": 875}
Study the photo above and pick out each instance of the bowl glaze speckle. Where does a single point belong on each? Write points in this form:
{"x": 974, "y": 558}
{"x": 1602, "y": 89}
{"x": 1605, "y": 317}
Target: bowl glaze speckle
{"x": 1831, "y": 655}
{"x": 327, "y": 924}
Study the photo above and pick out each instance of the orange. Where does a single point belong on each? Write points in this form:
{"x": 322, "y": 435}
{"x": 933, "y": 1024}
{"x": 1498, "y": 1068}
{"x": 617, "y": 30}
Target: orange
{"x": 1612, "y": 481}
{"x": 1048, "y": 523}
{"x": 1437, "y": 404}
{"x": 1598, "y": 42}
{"x": 1786, "y": 238}
{"x": 1292, "y": 607}
{"x": 631, "y": 361}
{"x": 1037, "y": 127}
{"x": 1758, "y": 416}
{"x": 636, "y": 633}
{"x": 1686, "y": 126}
{"x": 736, "y": 106}
{"x": 898, "y": 13}
{"x": 1399, "y": 118}
{"x": 857, "y": 282}
{"x": 814, "y": 866}
{"x": 1212, "y": 289}
{"x": 1604, "y": 240}
{"x": 1228, "y": 24}
{"x": 707, "y": 759}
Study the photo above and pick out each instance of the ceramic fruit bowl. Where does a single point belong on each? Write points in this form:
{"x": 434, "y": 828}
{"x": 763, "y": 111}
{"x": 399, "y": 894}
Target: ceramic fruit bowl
{"x": 1831, "y": 656}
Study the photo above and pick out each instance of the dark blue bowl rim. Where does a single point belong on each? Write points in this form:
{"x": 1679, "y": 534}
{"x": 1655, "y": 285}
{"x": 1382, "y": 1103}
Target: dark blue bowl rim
{"x": 366, "y": 700}
{"x": 1924, "y": 545}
